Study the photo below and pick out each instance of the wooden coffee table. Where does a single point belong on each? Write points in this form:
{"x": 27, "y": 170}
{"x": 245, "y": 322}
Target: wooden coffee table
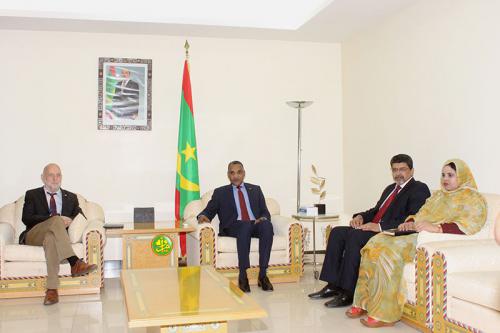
{"x": 185, "y": 299}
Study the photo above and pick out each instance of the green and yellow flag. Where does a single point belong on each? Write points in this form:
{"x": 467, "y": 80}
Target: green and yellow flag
{"x": 187, "y": 182}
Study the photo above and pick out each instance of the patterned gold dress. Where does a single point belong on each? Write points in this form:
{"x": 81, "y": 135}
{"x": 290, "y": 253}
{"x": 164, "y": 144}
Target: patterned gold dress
{"x": 381, "y": 289}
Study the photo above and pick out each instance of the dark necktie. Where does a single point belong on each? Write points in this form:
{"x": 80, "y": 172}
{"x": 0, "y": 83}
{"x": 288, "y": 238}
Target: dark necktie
{"x": 53, "y": 207}
{"x": 243, "y": 206}
{"x": 386, "y": 205}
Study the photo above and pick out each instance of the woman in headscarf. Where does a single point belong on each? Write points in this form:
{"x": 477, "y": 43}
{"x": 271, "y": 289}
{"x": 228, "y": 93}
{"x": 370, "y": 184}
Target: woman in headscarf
{"x": 456, "y": 208}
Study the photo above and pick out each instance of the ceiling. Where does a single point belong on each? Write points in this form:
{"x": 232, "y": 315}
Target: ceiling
{"x": 294, "y": 20}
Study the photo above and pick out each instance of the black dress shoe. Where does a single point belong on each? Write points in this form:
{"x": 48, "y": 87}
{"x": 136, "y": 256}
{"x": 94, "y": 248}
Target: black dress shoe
{"x": 244, "y": 285}
{"x": 326, "y": 292}
{"x": 339, "y": 300}
{"x": 265, "y": 284}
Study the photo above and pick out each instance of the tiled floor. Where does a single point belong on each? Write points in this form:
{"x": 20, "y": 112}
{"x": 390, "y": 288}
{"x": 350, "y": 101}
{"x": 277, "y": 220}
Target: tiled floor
{"x": 288, "y": 307}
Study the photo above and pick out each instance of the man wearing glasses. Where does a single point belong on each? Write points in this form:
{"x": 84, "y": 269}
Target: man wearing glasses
{"x": 400, "y": 199}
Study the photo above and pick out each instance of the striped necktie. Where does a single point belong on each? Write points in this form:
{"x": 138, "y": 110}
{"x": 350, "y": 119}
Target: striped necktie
{"x": 386, "y": 205}
{"x": 53, "y": 207}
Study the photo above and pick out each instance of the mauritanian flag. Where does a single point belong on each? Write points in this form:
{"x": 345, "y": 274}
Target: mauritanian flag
{"x": 187, "y": 182}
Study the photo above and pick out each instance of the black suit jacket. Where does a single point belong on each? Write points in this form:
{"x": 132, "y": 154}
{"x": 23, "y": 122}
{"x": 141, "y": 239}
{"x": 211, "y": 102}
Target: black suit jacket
{"x": 222, "y": 204}
{"x": 36, "y": 208}
{"x": 407, "y": 202}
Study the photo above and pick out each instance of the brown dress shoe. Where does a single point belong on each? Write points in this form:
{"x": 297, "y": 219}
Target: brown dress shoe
{"x": 51, "y": 297}
{"x": 81, "y": 268}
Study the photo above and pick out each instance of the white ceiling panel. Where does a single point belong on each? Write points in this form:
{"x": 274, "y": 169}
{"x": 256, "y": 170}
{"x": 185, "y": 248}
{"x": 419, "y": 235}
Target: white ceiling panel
{"x": 329, "y": 21}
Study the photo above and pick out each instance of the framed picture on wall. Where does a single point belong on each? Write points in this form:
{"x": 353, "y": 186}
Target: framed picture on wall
{"x": 124, "y": 94}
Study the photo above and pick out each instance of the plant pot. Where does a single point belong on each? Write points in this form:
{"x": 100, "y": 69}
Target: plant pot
{"x": 321, "y": 208}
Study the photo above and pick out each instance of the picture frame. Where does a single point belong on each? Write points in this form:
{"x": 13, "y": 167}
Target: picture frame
{"x": 124, "y": 94}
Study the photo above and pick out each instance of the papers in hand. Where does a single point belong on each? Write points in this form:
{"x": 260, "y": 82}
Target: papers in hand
{"x": 396, "y": 232}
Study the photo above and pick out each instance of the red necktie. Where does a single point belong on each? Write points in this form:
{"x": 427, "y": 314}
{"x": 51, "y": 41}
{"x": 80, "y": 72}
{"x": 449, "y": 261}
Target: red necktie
{"x": 53, "y": 207}
{"x": 243, "y": 206}
{"x": 386, "y": 205}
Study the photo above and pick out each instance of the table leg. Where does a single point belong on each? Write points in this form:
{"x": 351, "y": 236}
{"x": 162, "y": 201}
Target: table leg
{"x": 316, "y": 274}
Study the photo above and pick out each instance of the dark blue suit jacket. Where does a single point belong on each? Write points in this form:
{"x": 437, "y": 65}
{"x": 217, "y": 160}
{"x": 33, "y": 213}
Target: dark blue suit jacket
{"x": 223, "y": 205}
{"x": 406, "y": 203}
{"x": 36, "y": 208}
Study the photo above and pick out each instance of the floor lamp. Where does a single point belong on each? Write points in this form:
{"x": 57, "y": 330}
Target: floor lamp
{"x": 299, "y": 105}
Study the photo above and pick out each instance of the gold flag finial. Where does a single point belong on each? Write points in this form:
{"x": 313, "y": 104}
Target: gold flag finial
{"x": 186, "y": 46}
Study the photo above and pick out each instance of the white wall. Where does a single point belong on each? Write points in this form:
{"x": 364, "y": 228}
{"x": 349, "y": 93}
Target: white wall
{"x": 48, "y": 108}
{"x": 425, "y": 82}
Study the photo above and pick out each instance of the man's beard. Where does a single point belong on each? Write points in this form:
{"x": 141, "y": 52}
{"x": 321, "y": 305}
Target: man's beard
{"x": 399, "y": 180}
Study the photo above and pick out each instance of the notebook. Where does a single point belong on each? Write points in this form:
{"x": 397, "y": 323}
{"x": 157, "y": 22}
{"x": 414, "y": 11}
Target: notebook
{"x": 396, "y": 232}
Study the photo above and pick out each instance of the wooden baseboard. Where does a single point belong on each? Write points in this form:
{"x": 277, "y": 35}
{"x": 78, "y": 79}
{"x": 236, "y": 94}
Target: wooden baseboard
{"x": 276, "y": 274}
{"x": 38, "y": 293}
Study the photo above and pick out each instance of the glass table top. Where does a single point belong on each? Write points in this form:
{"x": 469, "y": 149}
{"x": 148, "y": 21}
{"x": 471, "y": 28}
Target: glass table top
{"x": 319, "y": 217}
{"x": 184, "y": 295}
{"x": 147, "y": 227}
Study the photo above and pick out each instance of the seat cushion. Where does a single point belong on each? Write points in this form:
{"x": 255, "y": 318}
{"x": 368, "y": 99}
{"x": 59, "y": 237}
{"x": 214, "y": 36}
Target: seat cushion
{"x": 225, "y": 260}
{"x": 228, "y": 244}
{"x": 17, "y": 252}
{"x": 409, "y": 277}
{"x": 481, "y": 288}
{"x": 76, "y": 228}
{"x": 481, "y": 318}
{"x": 23, "y": 269}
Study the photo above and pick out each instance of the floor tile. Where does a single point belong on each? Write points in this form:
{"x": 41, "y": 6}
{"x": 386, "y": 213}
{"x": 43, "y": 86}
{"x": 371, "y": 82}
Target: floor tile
{"x": 288, "y": 307}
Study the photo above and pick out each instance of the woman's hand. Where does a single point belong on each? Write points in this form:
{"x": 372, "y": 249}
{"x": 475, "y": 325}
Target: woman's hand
{"x": 407, "y": 226}
{"x": 427, "y": 226}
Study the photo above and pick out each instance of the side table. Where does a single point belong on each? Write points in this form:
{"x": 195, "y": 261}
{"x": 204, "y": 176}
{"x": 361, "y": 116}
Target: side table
{"x": 313, "y": 219}
{"x": 137, "y": 247}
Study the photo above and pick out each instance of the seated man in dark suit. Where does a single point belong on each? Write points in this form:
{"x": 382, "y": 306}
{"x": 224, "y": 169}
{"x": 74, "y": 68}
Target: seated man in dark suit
{"x": 243, "y": 214}
{"x": 342, "y": 259}
{"x": 47, "y": 213}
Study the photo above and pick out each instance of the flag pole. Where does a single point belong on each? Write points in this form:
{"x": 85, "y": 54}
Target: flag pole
{"x": 187, "y": 186}
{"x": 183, "y": 257}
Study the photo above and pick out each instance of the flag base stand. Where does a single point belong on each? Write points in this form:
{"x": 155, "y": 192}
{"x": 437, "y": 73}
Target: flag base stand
{"x": 182, "y": 261}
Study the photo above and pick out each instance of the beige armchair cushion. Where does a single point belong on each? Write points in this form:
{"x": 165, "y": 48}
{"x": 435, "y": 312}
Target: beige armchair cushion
{"x": 228, "y": 244}
{"x": 230, "y": 260}
{"x": 475, "y": 316}
{"x": 19, "y": 269}
{"x": 476, "y": 287}
{"x": 76, "y": 228}
{"x": 17, "y": 252}
{"x": 409, "y": 277}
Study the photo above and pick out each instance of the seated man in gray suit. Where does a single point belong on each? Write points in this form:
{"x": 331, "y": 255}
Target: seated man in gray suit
{"x": 47, "y": 213}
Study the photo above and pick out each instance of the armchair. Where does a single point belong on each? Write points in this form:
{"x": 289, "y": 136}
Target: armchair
{"x": 205, "y": 247}
{"x": 426, "y": 307}
{"x": 466, "y": 286}
{"x": 421, "y": 310}
{"x": 465, "y": 279}
{"x": 22, "y": 267}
